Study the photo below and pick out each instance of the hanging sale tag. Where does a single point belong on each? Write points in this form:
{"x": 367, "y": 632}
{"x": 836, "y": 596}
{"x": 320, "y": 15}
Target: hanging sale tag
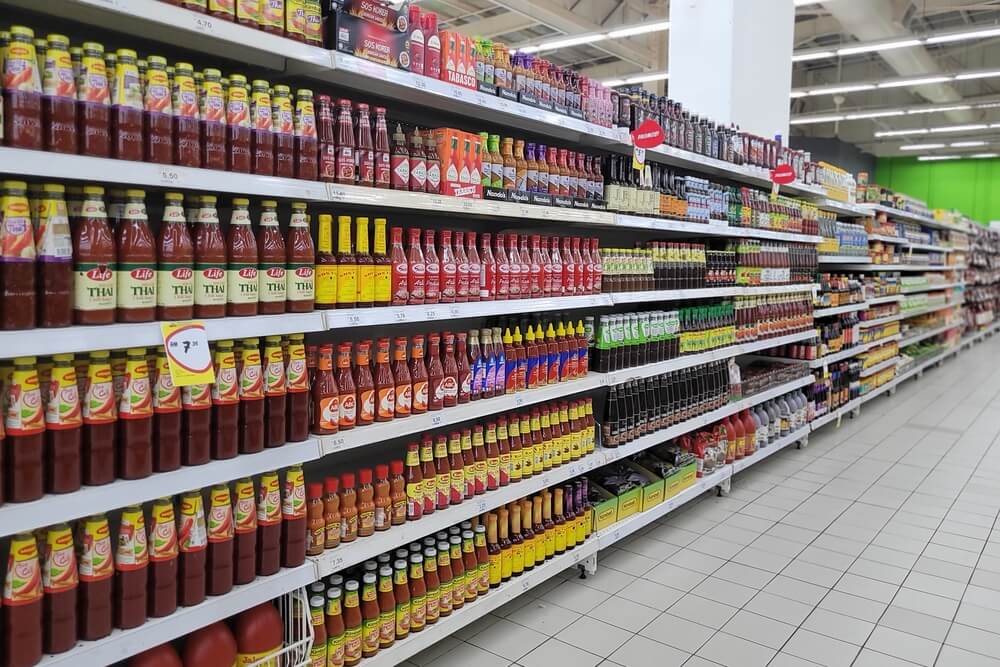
{"x": 188, "y": 355}
{"x": 638, "y": 158}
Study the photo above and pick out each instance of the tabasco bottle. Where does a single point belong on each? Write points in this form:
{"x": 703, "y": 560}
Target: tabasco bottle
{"x": 433, "y": 163}
{"x": 283, "y": 127}
{"x": 399, "y": 162}
{"x": 383, "y": 153}
{"x": 383, "y": 266}
{"x": 327, "y": 145}
{"x": 365, "y": 288}
{"x": 300, "y": 274}
{"x": 326, "y": 265}
{"x": 418, "y": 163}
{"x": 364, "y": 149}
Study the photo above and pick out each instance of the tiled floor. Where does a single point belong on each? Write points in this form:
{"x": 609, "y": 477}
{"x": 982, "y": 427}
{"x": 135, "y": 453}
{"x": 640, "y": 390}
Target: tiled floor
{"x": 876, "y": 546}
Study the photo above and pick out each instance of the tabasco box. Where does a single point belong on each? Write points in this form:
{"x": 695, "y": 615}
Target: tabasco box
{"x": 458, "y": 62}
{"x": 459, "y": 162}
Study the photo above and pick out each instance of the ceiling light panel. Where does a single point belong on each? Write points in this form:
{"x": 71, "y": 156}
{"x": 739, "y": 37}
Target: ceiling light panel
{"x": 920, "y": 147}
{"x": 966, "y": 144}
{"x": 935, "y": 158}
{"x": 809, "y": 120}
{"x": 656, "y": 26}
{"x": 964, "y": 35}
{"x": 876, "y": 46}
{"x": 901, "y": 133}
{"x": 958, "y": 128}
{"x": 921, "y": 81}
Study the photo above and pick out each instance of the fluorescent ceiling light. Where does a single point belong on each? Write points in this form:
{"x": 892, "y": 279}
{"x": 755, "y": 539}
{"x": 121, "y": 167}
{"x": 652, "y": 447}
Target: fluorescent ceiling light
{"x": 902, "y": 83}
{"x": 988, "y": 105}
{"x": 957, "y": 107}
{"x": 798, "y": 93}
{"x": 807, "y": 120}
{"x": 876, "y": 46}
{"x": 920, "y": 147}
{"x": 853, "y": 88}
{"x": 966, "y": 144}
{"x": 643, "y": 78}
{"x": 900, "y": 133}
{"x": 803, "y": 3}
{"x": 611, "y": 83}
{"x": 875, "y": 114}
{"x": 977, "y": 75}
{"x": 983, "y": 156}
{"x": 959, "y": 128}
{"x": 563, "y": 43}
{"x": 934, "y": 158}
{"x": 959, "y": 36}
{"x": 655, "y": 26}
{"x": 814, "y": 55}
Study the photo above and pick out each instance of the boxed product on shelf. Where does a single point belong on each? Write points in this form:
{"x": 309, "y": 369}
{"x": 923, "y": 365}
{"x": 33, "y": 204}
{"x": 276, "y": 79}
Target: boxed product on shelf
{"x": 461, "y": 158}
{"x": 605, "y": 506}
{"x": 371, "y": 29}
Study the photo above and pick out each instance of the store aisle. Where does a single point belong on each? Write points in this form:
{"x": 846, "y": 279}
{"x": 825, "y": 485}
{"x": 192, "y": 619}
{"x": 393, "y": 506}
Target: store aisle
{"x": 876, "y": 547}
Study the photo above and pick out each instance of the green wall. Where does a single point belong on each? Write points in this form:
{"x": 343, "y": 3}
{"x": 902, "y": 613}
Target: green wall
{"x": 971, "y": 186}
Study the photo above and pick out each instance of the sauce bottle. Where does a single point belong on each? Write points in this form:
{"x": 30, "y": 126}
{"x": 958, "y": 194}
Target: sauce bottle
{"x": 275, "y": 401}
{"x": 326, "y": 145}
{"x": 184, "y": 108}
{"x": 259, "y": 634}
{"x": 326, "y": 265}
{"x": 251, "y": 392}
{"x": 174, "y": 272}
{"x": 365, "y": 286}
{"x": 418, "y": 593}
{"x": 352, "y": 624}
{"x": 429, "y": 474}
{"x": 348, "y": 508}
{"x": 93, "y": 102}
{"x": 163, "y": 555}
{"x": 261, "y": 129}
{"x": 210, "y": 645}
{"x": 418, "y": 163}
{"x": 135, "y": 419}
{"x": 318, "y": 653}
{"x": 385, "y": 383}
{"x": 136, "y": 270}
{"x": 325, "y": 395}
{"x": 210, "y": 259}
{"x": 414, "y": 483}
{"x": 399, "y": 375}
{"x": 238, "y": 127}
{"x": 300, "y": 265}
{"x": 241, "y": 274}
{"x": 283, "y": 129}
{"x": 192, "y": 544}
{"x": 127, "y": 107}
{"x": 54, "y": 252}
{"x": 213, "y": 108}
{"x": 94, "y": 260}
{"x": 297, "y": 389}
{"x": 157, "y": 112}
{"x": 306, "y": 144}
{"x": 293, "y": 518}
{"x": 269, "y": 514}
{"x": 345, "y": 165}
{"x": 383, "y": 273}
{"x": 471, "y": 566}
{"x": 63, "y": 432}
{"x": 131, "y": 569}
{"x": 335, "y": 630}
{"x": 436, "y": 376}
{"x": 416, "y": 282}
{"x": 225, "y": 406}
{"x": 96, "y": 568}
{"x": 25, "y": 429}
{"x": 348, "y": 399}
{"x": 271, "y": 280}
{"x": 419, "y": 376}
{"x": 364, "y": 155}
{"x": 22, "y": 599}
{"x": 366, "y": 504}
{"x": 60, "y": 582}
{"x": 450, "y": 382}
{"x": 244, "y": 520}
{"x": 221, "y": 533}
{"x": 442, "y": 495}
{"x": 432, "y": 269}
{"x": 331, "y": 513}
{"x": 315, "y": 520}
{"x": 399, "y": 175}
{"x": 433, "y": 166}
{"x": 364, "y": 383}
{"x": 347, "y": 265}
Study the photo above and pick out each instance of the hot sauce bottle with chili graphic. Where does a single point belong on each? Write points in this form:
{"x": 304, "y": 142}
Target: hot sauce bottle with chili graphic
{"x": 306, "y": 145}
{"x": 25, "y": 427}
{"x": 96, "y": 567}
{"x": 22, "y": 601}
{"x": 18, "y": 299}
{"x": 220, "y": 541}
{"x": 212, "y": 112}
{"x": 136, "y": 270}
{"x": 192, "y": 543}
{"x": 245, "y": 532}
{"x": 131, "y": 569}
{"x": 63, "y": 428}
{"x": 283, "y": 121}
{"x": 163, "y": 559}
{"x": 158, "y": 112}
{"x": 100, "y": 412}
{"x": 22, "y": 88}
{"x": 60, "y": 581}
{"x": 242, "y": 281}
{"x": 126, "y": 107}
{"x": 300, "y": 263}
{"x": 225, "y": 403}
{"x": 261, "y": 128}
{"x": 135, "y": 419}
{"x": 297, "y": 387}
{"x": 175, "y": 268}
{"x": 269, "y": 511}
{"x": 186, "y": 125}
{"x": 238, "y": 124}
{"x": 275, "y": 404}
{"x": 93, "y": 100}
{"x": 251, "y": 423}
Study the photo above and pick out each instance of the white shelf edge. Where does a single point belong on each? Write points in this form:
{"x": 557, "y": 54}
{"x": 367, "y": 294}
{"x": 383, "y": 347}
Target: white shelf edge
{"x": 841, "y": 259}
{"x": 57, "y": 507}
{"x": 840, "y": 310}
{"x": 852, "y": 352}
{"x": 892, "y": 298}
{"x": 714, "y": 228}
{"x": 882, "y": 320}
{"x": 881, "y": 366}
{"x": 841, "y": 207}
{"x": 653, "y": 296}
{"x": 885, "y": 238}
{"x": 901, "y": 267}
{"x": 933, "y": 309}
{"x": 931, "y": 288}
{"x": 927, "y": 334}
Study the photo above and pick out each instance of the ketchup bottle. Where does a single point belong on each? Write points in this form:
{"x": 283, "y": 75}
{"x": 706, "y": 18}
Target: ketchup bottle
{"x": 61, "y": 581}
{"x": 400, "y": 372}
{"x": 271, "y": 274}
{"x": 269, "y": 511}
{"x": 348, "y": 398}
{"x": 163, "y": 557}
{"x": 300, "y": 268}
{"x": 283, "y": 125}
{"x": 327, "y": 146}
{"x": 97, "y": 567}
{"x": 261, "y": 129}
{"x": 475, "y": 266}
{"x": 245, "y": 532}
{"x": 238, "y": 125}
{"x": 192, "y": 543}
{"x": 259, "y": 634}
{"x": 225, "y": 403}
{"x": 419, "y": 377}
{"x": 242, "y": 281}
{"x": 131, "y": 569}
{"x": 220, "y": 541}
{"x": 306, "y": 145}
{"x": 136, "y": 252}
{"x": 487, "y": 270}
{"x": 364, "y": 154}
{"x": 448, "y": 269}
{"x": 435, "y": 374}
{"x": 502, "y": 270}
{"x": 449, "y": 384}
{"x": 364, "y": 383}
{"x": 398, "y": 288}
{"x": 186, "y": 126}
{"x": 93, "y": 95}
{"x": 325, "y": 395}
{"x": 210, "y": 259}
{"x": 23, "y": 606}
{"x": 385, "y": 383}
{"x": 297, "y": 387}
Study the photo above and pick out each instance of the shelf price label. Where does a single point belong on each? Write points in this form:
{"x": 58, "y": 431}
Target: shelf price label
{"x": 188, "y": 355}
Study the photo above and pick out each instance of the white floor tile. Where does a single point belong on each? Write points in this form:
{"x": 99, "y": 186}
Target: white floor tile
{"x": 680, "y": 633}
{"x": 507, "y": 639}
{"x": 594, "y": 636}
{"x": 902, "y": 645}
{"x": 735, "y": 652}
{"x": 704, "y": 611}
{"x": 839, "y": 626}
{"x": 555, "y": 652}
{"x": 642, "y": 652}
{"x": 759, "y": 629}
{"x": 821, "y": 649}
{"x": 624, "y": 614}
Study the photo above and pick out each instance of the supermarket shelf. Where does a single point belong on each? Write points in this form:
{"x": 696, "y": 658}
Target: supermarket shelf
{"x": 842, "y": 259}
{"x": 885, "y": 238}
{"x": 839, "y": 310}
{"x": 59, "y": 507}
{"x": 881, "y": 366}
{"x": 116, "y": 336}
{"x": 363, "y": 549}
{"x": 378, "y": 432}
{"x": 847, "y": 354}
{"x": 933, "y": 309}
{"x": 714, "y": 228}
{"x": 708, "y": 293}
{"x": 881, "y": 320}
{"x": 687, "y": 361}
{"x": 927, "y": 247}
{"x": 932, "y": 288}
{"x": 916, "y": 338}
{"x": 905, "y": 215}
{"x": 902, "y": 267}
{"x": 121, "y": 644}
{"x": 876, "y": 300}
{"x": 842, "y": 207}
{"x": 774, "y": 447}
{"x": 848, "y": 407}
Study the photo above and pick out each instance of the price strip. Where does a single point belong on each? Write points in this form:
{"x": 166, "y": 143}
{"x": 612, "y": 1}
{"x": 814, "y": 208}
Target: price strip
{"x": 169, "y": 177}
{"x": 419, "y": 83}
{"x": 436, "y": 420}
{"x": 335, "y": 193}
{"x": 399, "y": 315}
{"x": 188, "y": 355}
{"x": 204, "y": 24}
{"x": 430, "y": 314}
{"x": 334, "y": 444}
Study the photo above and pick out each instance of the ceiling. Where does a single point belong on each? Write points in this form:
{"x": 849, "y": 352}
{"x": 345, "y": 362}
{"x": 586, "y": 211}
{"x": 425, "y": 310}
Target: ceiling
{"x": 819, "y": 26}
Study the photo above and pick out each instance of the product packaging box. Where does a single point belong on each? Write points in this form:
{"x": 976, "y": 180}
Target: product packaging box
{"x": 458, "y": 60}
{"x": 372, "y": 30}
{"x": 461, "y": 163}
{"x": 652, "y": 493}
{"x": 606, "y": 509}
{"x": 682, "y": 479}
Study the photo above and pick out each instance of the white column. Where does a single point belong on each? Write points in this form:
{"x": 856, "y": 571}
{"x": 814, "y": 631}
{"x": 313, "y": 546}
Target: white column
{"x": 731, "y": 60}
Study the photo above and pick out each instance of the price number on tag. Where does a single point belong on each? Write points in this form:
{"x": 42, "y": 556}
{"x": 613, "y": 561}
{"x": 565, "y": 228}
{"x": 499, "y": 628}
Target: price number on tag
{"x": 354, "y": 320}
{"x": 399, "y": 315}
{"x": 188, "y": 355}
{"x": 335, "y": 444}
{"x": 467, "y": 205}
{"x": 518, "y": 401}
{"x": 576, "y": 556}
{"x": 204, "y": 24}
{"x": 454, "y": 311}
{"x": 436, "y": 420}
{"x": 419, "y": 83}
{"x": 525, "y": 585}
{"x": 168, "y": 176}
{"x": 431, "y": 314}
{"x": 458, "y": 93}
{"x": 482, "y": 506}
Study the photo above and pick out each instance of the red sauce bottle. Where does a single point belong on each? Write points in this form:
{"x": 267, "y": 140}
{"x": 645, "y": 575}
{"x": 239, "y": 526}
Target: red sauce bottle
{"x": 414, "y": 483}
{"x": 25, "y": 426}
{"x": 306, "y": 144}
{"x": 283, "y": 125}
{"x": 241, "y": 273}
{"x": 416, "y": 278}
{"x": 461, "y": 269}
{"x": 136, "y": 270}
{"x": 275, "y": 401}
{"x": 315, "y": 521}
{"x": 461, "y": 360}
{"x": 418, "y": 377}
{"x": 269, "y": 515}
{"x": 244, "y": 532}
{"x": 475, "y": 266}
{"x": 366, "y": 503}
{"x": 259, "y": 634}
{"x": 175, "y": 270}
{"x": 23, "y": 606}
{"x": 251, "y": 374}
{"x": 326, "y": 144}
{"x": 442, "y": 495}
{"x": 184, "y": 107}
{"x": 211, "y": 646}
{"x": 300, "y": 267}
{"x": 348, "y": 413}
{"x": 468, "y": 461}
{"x": 433, "y": 162}
{"x": 524, "y": 254}
{"x": 94, "y": 258}
{"x": 93, "y": 97}
{"x": 364, "y": 148}
{"x": 60, "y": 581}
{"x": 418, "y": 163}
{"x": 163, "y": 559}
{"x": 557, "y": 268}
{"x": 272, "y": 285}
{"x": 261, "y": 129}
{"x": 399, "y": 175}
{"x": 54, "y": 253}
{"x": 135, "y": 419}
{"x": 220, "y": 541}
{"x": 63, "y": 428}
{"x": 213, "y": 112}
{"x": 22, "y": 88}
{"x": 325, "y": 395}
{"x": 157, "y": 112}
{"x": 96, "y": 567}
{"x": 297, "y": 388}
{"x": 502, "y": 269}
{"x": 59, "y": 96}
{"x": 364, "y": 383}
{"x": 192, "y": 543}
{"x": 238, "y": 127}
{"x": 100, "y": 413}
{"x": 432, "y": 269}
{"x": 385, "y": 383}
{"x": 487, "y": 270}
{"x": 345, "y": 144}
{"x": 348, "y": 508}
{"x": 435, "y": 374}
{"x": 131, "y": 569}
{"x": 225, "y": 404}
{"x": 448, "y": 269}
{"x": 383, "y": 161}
{"x": 163, "y": 655}
{"x": 126, "y": 107}
{"x": 210, "y": 259}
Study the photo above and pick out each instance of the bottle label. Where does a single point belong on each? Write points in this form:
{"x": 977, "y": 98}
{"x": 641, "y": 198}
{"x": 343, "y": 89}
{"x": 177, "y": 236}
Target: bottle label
{"x": 348, "y": 410}
{"x": 191, "y": 529}
{"x": 328, "y": 413}
{"x": 244, "y": 509}
{"x": 174, "y": 285}
{"x": 93, "y": 286}
{"x": 420, "y": 396}
{"x": 241, "y": 283}
{"x": 433, "y": 178}
{"x": 225, "y": 389}
{"x": 136, "y": 400}
{"x": 269, "y": 501}
{"x": 387, "y": 402}
{"x": 300, "y": 282}
{"x": 63, "y": 409}
{"x": 418, "y": 175}
{"x": 23, "y": 584}
{"x": 132, "y": 553}
{"x": 271, "y": 283}
{"x": 296, "y": 373}
{"x": 335, "y": 651}
{"x": 251, "y": 376}
{"x": 95, "y": 560}
{"x": 365, "y": 288}
{"x": 220, "y": 517}
{"x": 383, "y": 283}
{"x": 210, "y": 284}
{"x": 366, "y": 405}
{"x": 25, "y": 412}
{"x": 162, "y": 533}
{"x": 347, "y": 283}
{"x": 59, "y": 568}
{"x": 305, "y": 113}
{"x": 53, "y": 234}
{"x": 293, "y": 505}
{"x": 345, "y": 164}
{"x": 196, "y": 397}
{"x": 326, "y": 284}
{"x": 274, "y": 373}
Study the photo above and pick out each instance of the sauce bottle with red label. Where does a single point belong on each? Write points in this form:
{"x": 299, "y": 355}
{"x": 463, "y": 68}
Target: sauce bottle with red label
{"x": 238, "y": 128}
{"x": 297, "y": 389}
{"x": 96, "y": 566}
{"x": 275, "y": 404}
{"x": 210, "y": 259}
{"x": 261, "y": 129}
{"x": 399, "y": 177}
{"x": 326, "y": 145}
{"x": 163, "y": 559}
{"x": 364, "y": 384}
{"x": 416, "y": 279}
{"x": 220, "y": 541}
{"x": 300, "y": 271}
{"x": 432, "y": 269}
{"x": 22, "y": 602}
{"x": 186, "y": 124}
{"x": 136, "y": 270}
{"x": 25, "y": 433}
{"x": 272, "y": 284}
{"x": 242, "y": 281}
{"x": 225, "y": 403}
{"x": 157, "y": 112}
{"x": 63, "y": 428}
{"x": 382, "y": 153}
{"x": 345, "y": 171}
{"x": 269, "y": 516}
{"x": 93, "y": 96}
{"x": 348, "y": 398}
{"x": 251, "y": 379}
{"x": 364, "y": 153}
{"x": 100, "y": 412}
{"x": 175, "y": 268}
{"x": 59, "y": 96}
{"x": 131, "y": 569}
{"x": 126, "y": 107}
{"x": 244, "y": 532}
{"x": 325, "y": 395}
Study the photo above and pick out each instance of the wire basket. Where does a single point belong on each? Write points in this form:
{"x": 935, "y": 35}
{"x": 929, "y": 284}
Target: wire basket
{"x": 298, "y": 642}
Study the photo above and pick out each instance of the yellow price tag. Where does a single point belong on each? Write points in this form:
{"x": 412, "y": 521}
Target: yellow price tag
{"x": 188, "y": 355}
{"x": 638, "y": 158}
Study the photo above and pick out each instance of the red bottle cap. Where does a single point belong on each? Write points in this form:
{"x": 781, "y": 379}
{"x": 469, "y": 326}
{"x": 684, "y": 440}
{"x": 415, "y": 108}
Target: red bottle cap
{"x": 347, "y": 480}
{"x": 381, "y": 471}
{"x": 365, "y": 475}
{"x": 344, "y": 102}
{"x": 315, "y": 490}
{"x": 396, "y": 467}
{"x": 331, "y": 484}
{"x": 323, "y": 99}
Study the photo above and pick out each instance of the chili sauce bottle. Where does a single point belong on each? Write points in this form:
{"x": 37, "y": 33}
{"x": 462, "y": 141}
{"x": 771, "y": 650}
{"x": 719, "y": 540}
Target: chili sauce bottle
{"x": 275, "y": 403}
{"x": 135, "y": 419}
{"x": 96, "y": 567}
{"x": 163, "y": 559}
{"x": 293, "y": 518}
{"x": 297, "y": 388}
{"x": 60, "y": 581}
{"x": 221, "y": 533}
{"x": 225, "y": 403}
{"x": 131, "y": 569}
{"x": 251, "y": 422}
{"x": 22, "y": 599}
{"x": 300, "y": 263}
{"x": 127, "y": 108}
{"x": 192, "y": 544}
{"x": 63, "y": 428}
